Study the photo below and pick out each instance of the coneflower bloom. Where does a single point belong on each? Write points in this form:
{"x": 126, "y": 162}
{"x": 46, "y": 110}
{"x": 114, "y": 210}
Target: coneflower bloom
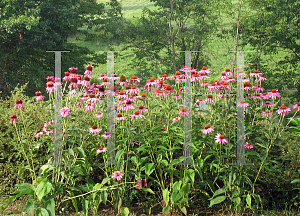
{"x": 202, "y": 76}
{"x": 230, "y": 79}
{"x": 99, "y": 115}
{"x": 134, "y": 90}
{"x": 223, "y": 76}
{"x": 92, "y": 98}
{"x": 209, "y": 99}
{"x": 137, "y": 115}
{"x": 86, "y": 81}
{"x": 256, "y": 96}
{"x": 297, "y": 106}
{"x": 207, "y": 129}
{"x": 177, "y": 74}
{"x": 247, "y": 87}
{"x": 101, "y": 150}
{"x": 274, "y": 94}
{"x": 89, "y": 107}
{"x": 38, "y": 133}
{"x": 13, "y": 119}
{"x": 80, "y": 104}
{"x": 143, "y": 109}
{"x": 196, "y": 77}
{"x": 205, "y": 70}
{"x": 74, "y": 83}
{"x": 185, "y": 68}
{"x": 102, "y": 76}
{"x": 184, "y": 111}
{"x": 266, "y": 113}
{"x": 114, "y": 77}
{"x": 283, "y": 110}
{"x": 123, "y": 81}
{"x": 205, "y": 83}
{"x": 228, "y": 72}
{"x": 267, "y": 104}
{"x": 241, "y": 74}
{"x": 159, "y": 93}
{"x": 128, "y": 105}
{"x": 261, "y": 79}
{"x": 139, "y": 183}
{"x": 265, "y": 96}
{"x": 258, "y": 88}
{"x": 143, "y": 96}
{"x": 50, "y": 87}
{"x": 45, "y": 127}
{"x": 134, "y": 79}
{"x": 151, "y": 82}
{"x": 180, "y": 79}
{"x": 19, "y": 104}
{"x": 256, "y": 73}
{"x": 64, "y": 112}
{"x": 242, "y": 104}
{"x": 73, "y": 69}
{"x": 122, "y": 95}
{"x": 248, "y": 145}
{"x": 244, "y": 79}
{"x": 106, "y": 135}
{"x": 89, "y": 70}
{"x": 120, "y": 117}
{"x": 181, "y": 89}
{"x": 177, "y": 96}
{"x": 164, "y": 76}
{"x": 95, "y": 130}
{"x": 168, "y": 89}
{"x": 220, "y": 139}
{"x": 176, "y": 119}
{"x": 118, "y": 175}
{"x": 39, "y": 96}
{"x": 67, "y": 77}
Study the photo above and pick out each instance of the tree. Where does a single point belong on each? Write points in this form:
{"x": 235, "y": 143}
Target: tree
{"x": 29, "y": 28}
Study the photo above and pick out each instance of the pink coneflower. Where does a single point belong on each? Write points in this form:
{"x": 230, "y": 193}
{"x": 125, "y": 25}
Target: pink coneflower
{"x": 265, "y": 96}
{"x": 205, "y": 70}
{"x": 177, "y": 96}
{"x": 184, "y": 111}
{"x": 180, "y": 79}
{"x": 220, "y": 139}
{"x": 118, "y": 175}
{"x": 99, "y": 115}
{"x": 19, "y": 104}
{"x": 95, "y": 130}
{"x": 258, "y": 88}
{"x": 267, "y": 104}
{"x": 92, "y": 98}
{"x": 185, "y": 68}
{"x": 120, "y": 117}
{"x": 143, "y": 96}
{"x": 261, "y": 79}
{"x": 39, "y": 96}
{"x": 176, "y": 119}
{"x": 241, "y": 74}
{"x": 196, "y": 77}
{"x": 80, "y": 104}
{"x": 143, "y": 109}
{"x": 89, "y": 70}
{"x": 274, "y": 94}
{"x": 256, "y": 73}
{"x": 139, "y": 183}
{"x": 223, "y": 76}
{"x": 209, "y": 99}
{"x": 168, "y": 89}
{"x": 207, "y": 129}
{"x": 73, "y": 70}
{"x": 164, "y": 76}
{"x": 137, "y": 115}
{"x": 128, "y": 105}
{"x": 228, "y": 72}
{"x": 151, "y": 82}
{"x": 101, "y": 150}
{"x": 266, "y": 113}
{"x": 205, "y": 83}
{"x": 230, "y": 79}
{"x": 122, "y": 95}
{"x": 247, "y": 87}
{"x": 283, "y": 110}
{"x": 13, "y": 119}
{"x": 134, "y": 79}
{"x": 45, "y": 127}
{"x": 74, "y": 83}
{"x": 123, "y": 81}
{"x": 242, "y": 103}
{"x": 159, "y": 93}
{"x": 248, "y": 145}
{"x": 114, "y": 77}
{"x": 297, "y": 106}
{"x": 256, "y": 96}
{"x": 106, "y": 135}
{"x": 203, "y": 75}
{"x": 50, "y": 87}
{"x": 133, "y": 90}
{"x": 67, "y": 77}
{"x": 64, "y": 112}
{"x": 200, "y": 115}
{"x": 38, "y": 133}
{"x": 86, "y": 81}
{"x": 89, "y": 107}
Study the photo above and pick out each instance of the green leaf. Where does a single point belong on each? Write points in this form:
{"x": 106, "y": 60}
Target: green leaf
{"x": 217, "y": 200}
{"x": 295, "y": 181}
{"x": 123, "y": 127}
{"x": 166, "y": 209}
{"x": 43, "y": 189}
{"x": 41, "y": 212}
{"x": 105, "y": 180}
{"x": 7, "y": 203}
{"x": 134, "y": 160}
{"x": 149, "y": 168}
{"x": 176, "y": 196}
{"x": 236, "y": 200}
{"x": 85, "y": 206}
{"x": 166, "y": 193}
{"x": 219, "y": 191}
{"x": 74, "y": 201}
{"x": 176, "y": 185}
{"x": 81, "y": 152}
{"x": 118, "y": 155}
{"x": 175, "y": 161}
{"x": 70, "y": 151}
{"x": 103, "y": 196}
{"x": 248, "y": 200}
{"x": 50, "y": 206}
{"x": 30, "y": 208}
{"x": 183, "y": 209}
{"x": 125, "y": 211}
{"x": 191, "y": 174}
{"x": 26, "y": 186}
{"x": 164, "y": 162}
{"x": 148, "y": 190}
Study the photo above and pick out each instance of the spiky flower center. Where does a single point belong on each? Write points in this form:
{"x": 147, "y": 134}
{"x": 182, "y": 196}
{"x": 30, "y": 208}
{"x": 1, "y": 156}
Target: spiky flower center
{"x": 227, "y": 69}
{"x": 177, "y": 95}
{"x": 164, "y": 75}
{"x": 256, "y": 71}
{"x": 133, "y": 87}
{"x": 274, "y": 90}
{"x": 223, "y": 74}
{"x": 152, "y": 79}
{"x": 143, "y": 95}
{"x": 134, "y": 77}
{"x": 177, "y": 73}
{"x": 86, "y": 78}
{"x": 247, "y": 83}
{"x": 206, "y": 126}
{"x": 19, "y": 101}
{"x": 205, "y": 81}
{"x": 298, "y": 104}
{"x": 122, "y": 78}
{"x": 209, "y": 96}
{"x": 184, "y": 110}
{"x": 283, "y": 106}
{"x": 161, "y": 82}
{"x": 169, "y": 87}
{"x": 119, "y": 115}
{"x": 94, "y": 127}
{"x": 137, "y": 113}
{"x": 127, "y": 87}
{"x": 230, "y": 77}
{"x": 121, "y": 93}
{"x": 38, "y": 94}
{"x": 225, "y": 83}
{"x": 74, "y": 80}
{"x": 67, "y": 74}
{"x": 204, "y": 68}
{"x": 202, "y": 74}
{"x": 222, "y": 137}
